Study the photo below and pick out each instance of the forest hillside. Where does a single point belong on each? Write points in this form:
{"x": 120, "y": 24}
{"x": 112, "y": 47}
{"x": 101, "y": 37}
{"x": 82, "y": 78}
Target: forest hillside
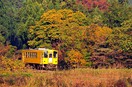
{"x": 93, "y": 39}
{"x": 87, "y": 33}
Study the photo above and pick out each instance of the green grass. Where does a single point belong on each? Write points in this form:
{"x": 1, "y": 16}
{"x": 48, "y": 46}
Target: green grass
{"x": 68, "y": 78}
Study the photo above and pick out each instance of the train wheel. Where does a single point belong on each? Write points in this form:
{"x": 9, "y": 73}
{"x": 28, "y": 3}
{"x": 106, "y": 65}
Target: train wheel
{"x": 38, "y": 67}
{"x": 28, "y": 66}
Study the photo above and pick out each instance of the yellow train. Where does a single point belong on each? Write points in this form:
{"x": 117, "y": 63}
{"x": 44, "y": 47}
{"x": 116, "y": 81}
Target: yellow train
{"x": 40, "y": 58}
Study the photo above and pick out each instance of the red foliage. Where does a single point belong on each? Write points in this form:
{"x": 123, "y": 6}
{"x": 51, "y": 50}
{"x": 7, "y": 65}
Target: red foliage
{"x": 108, "y": 58}
{"x": 90, "y": 4}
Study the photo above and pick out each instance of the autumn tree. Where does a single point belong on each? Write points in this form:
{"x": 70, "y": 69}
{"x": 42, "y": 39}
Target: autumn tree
{"x": 96, "y": 40}
{"x": 91, "y": 4}
{"x": 121, "y": 37}
{"x": 116, "y": 51}
{"x": 53, "y": 27}
{"x": 75, "y": 59}
{"x": 97, "y": 34}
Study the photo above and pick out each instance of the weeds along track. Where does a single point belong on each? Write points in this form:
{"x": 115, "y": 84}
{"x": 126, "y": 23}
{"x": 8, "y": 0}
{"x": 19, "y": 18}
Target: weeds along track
{"x": 43, "y": 71}
{"x": 68, "y": 78}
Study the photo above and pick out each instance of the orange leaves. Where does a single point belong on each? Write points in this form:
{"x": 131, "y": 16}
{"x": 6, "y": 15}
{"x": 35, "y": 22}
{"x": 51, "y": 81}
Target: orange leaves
{"x": 75, "y": 58}
{"x": 98, "y": 34}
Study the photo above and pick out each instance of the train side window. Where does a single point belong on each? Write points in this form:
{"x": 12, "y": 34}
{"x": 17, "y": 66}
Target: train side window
{"x": 35, "y": 55}
{"x": 55, "y": 54}
{"x": 31, "y": 54}
{"x": 26, "y": 54}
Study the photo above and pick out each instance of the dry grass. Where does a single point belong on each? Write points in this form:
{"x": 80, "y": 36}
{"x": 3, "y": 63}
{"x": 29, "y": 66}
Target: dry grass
{"x": 68, "y": 78}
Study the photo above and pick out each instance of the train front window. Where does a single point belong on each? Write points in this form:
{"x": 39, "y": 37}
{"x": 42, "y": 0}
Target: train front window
{"x": 55, "y": 54}
{"x": 45, "y": 54}
{"x": 50, "y": 55}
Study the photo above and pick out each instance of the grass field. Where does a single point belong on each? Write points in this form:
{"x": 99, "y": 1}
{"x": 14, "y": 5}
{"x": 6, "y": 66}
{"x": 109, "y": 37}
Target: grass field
{"x": 68, "y": 78}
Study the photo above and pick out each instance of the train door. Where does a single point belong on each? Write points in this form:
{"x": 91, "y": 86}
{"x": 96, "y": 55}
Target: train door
{"x": 45, "y": 58}
{"x": 50, "y": 58}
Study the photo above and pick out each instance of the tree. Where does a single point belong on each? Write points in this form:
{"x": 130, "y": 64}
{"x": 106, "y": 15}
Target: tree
{"x": 28, "y": 14}
{"x": 9, "y": 19}
{"x": 121, "y": 37}
{"x": 53, "y": 27}
{"x": 116, "y": 52}
{"x": 3, "y": 34}
{"x": 98, "y": 48}
{"x": 117, "y": 14}
{"x": 91, "y": 4}
{"x": 98, "y": 34}
{"x": 75, "y": 59}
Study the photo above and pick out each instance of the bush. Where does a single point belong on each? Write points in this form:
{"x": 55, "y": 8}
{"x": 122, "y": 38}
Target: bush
{"x": 75, "y": 59}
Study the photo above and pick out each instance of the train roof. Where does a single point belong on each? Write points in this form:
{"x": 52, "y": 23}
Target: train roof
{"x": 39, "y": 49}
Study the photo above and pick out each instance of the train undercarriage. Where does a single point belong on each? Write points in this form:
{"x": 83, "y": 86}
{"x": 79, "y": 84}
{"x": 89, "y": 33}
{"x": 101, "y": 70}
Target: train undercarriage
{"x": 41, "y": 66}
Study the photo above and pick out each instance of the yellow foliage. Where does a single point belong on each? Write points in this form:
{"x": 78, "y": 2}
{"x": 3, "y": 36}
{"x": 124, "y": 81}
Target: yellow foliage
{"x": 98, "y": 34}
{"x": 75, "y": 58}
{"x": 11, "y": 64}
{"x": 54, "y": 24}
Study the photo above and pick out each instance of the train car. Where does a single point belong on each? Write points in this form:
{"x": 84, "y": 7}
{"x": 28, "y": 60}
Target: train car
{"x": 40, "y": 58}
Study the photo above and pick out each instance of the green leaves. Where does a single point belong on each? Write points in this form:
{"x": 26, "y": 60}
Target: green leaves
{"x": 117, "y": 14}
{"x": 121, "y": 37}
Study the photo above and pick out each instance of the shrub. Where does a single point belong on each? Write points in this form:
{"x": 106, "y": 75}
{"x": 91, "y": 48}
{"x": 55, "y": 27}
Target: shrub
{"x": 75, "y": 58}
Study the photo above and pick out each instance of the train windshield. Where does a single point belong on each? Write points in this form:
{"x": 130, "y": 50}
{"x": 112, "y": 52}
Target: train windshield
{"x": 55, "y": 54}
{"x": 46, "y": 54}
